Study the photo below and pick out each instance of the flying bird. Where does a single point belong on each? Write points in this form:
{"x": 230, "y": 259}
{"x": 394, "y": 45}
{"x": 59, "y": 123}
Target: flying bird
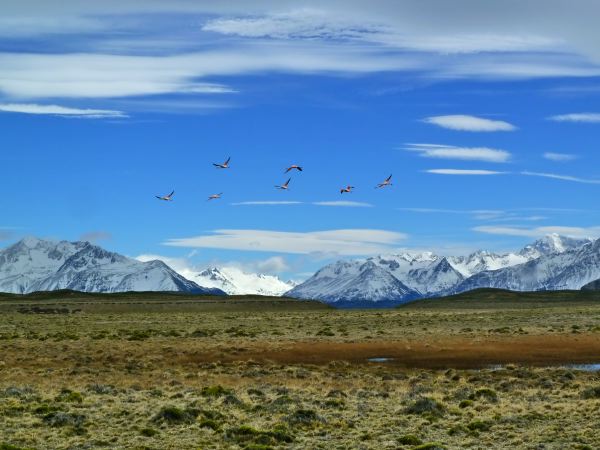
{"x": 284, "y": 186}
{"x": 167, "y": 198}
{"x": 215, "y": 196}
{"x": 347, "y": 189}
{"x": 387, "y": 182}
{"x": 292, "y": 167}
{"x": 225, "y": 165}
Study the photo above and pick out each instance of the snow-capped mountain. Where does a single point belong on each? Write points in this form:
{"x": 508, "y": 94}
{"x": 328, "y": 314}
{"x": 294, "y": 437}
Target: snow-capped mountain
{"x": 354, "y": 282}
{"x": 572, "y": 268}
{"x": 234, "y": 281}
{"x": 39, "y": 265}
{"x": 553, "y": 262}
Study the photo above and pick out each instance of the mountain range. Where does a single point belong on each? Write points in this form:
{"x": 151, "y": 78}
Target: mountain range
{"x": 234, "y": 281}
{"x": 553, "y": 262}
{"x": 40, "y": 265}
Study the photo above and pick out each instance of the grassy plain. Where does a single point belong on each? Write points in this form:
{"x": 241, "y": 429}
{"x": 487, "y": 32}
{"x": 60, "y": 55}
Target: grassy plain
{"x": 156, "y": 371}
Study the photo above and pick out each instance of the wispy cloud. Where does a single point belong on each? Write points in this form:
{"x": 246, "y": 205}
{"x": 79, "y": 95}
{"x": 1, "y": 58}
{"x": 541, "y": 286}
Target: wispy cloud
{"x": 311, "y": 24}
{"x": 343, "y": 203}
{"x": 490, "y": 215}
{"x": 559, "y": 156}
{"x": 266, "y": 203}
{"x": 540, "y": 231}
{"x": 340, "y": 242}
{"x": 462, "y": 122}
{"x": 561, "y": 177}
{"x": 463, "y": 172}
{"x": 577, "y": 117}
{"x": 461, "y": 153}
{"x": 55, "y": 110}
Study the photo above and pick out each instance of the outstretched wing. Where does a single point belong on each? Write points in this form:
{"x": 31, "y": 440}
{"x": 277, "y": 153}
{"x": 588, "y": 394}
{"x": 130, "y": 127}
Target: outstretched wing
{"x": 388, "y": 179}
{"x": 287, "y": 182}
{"x": 227, "y": 162}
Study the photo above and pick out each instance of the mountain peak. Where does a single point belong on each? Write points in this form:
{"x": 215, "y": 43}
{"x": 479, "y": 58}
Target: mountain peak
{"x": 34, "y": 264}
{"x": 553, "y": 243}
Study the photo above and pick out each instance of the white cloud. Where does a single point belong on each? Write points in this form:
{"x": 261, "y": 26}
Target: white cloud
{"x": 343, "y": 203}
{"x": 580, "y": 232}
{"x": 461, "y": 153}
{"x": 577, "y": 117}
{"x": 189, "y": 270}
{"x": 55, "y": 110}
{"x": 340, "y": 242}
{"x": 462, "y": 122}
{"x": 266, "y": 203}
{"x": 310, "y": 23}
{"x": 560, "y": 177}
{"x": 559, "y": 156}
{"x": 274, "y": 264}
{"x": 100, "y": 75}
{"x": 463, "y": 172}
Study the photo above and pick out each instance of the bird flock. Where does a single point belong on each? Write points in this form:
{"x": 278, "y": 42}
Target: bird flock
{"x": 283, "y": 187}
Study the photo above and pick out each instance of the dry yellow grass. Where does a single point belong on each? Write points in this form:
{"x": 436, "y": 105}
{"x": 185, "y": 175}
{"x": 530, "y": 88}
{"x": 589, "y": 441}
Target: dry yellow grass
{"x": 183, "y": 377}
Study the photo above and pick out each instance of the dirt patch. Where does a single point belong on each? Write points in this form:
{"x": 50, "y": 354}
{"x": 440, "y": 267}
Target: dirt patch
{"x": 454, "y": 352}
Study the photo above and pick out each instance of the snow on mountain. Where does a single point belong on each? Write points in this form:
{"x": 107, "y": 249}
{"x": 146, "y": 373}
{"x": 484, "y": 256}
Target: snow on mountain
{"x": 346, "y": 283}
{"x": 550, "y": 244}
{"x": 570, "y": 269}
{"x": 555, "y": 262}
{"x": 38, "y": 265}
{"x": 234, "y": 281}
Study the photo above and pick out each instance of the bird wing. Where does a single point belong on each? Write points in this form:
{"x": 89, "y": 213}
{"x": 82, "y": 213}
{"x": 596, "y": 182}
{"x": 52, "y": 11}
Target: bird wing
{"x": 287, "y": 182}
{"x": 227, "y": 162}
{"x": 388, "y": 178}
{"x": 171, "y": 194}
{"x": 299, "y": 168}
{"x": 288, "y": 169}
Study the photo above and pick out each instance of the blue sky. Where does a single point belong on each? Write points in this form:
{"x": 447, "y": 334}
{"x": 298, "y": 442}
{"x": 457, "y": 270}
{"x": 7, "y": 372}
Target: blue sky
{"x": 487, "y": 118}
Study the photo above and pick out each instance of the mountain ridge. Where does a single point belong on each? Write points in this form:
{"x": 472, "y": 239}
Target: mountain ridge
{"x": 34, "y": 264}
{"x": 541, "y": 265}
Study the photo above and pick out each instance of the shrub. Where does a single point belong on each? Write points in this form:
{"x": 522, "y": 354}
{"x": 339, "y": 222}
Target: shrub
{"x": 252, "y": 436}
{"x": 409, "y": 439}
{"x": 465, "y": 403}
{"x": 480, "y": 425}
{"x": 215, "y": 391}
{"x": 591, "y": 392}
{"x": 148, "y": 432}
{"x": 210, "y": 423}
{"x": 430, "y": 446}
{"x": 426, "y": 406}
{"x": 67, "y": 395}
{"x": 62, "y": 419}
{"x": 485, "y": 393}
{"x": 174, "y": 415}
{"x": 303, "y": 417}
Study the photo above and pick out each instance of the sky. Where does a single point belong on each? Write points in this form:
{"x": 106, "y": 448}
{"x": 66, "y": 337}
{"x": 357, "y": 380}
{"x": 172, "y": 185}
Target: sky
{"x": 486, "y": 114}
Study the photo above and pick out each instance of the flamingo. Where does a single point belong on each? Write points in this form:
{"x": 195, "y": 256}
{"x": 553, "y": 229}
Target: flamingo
{"x": 215, "y": 196}
{"x": 293, "y": 166}
{"x": 167, "y": 198}
{"x": 284, "y": 186}
{"x": 347, "y": 189}
{"x": 387, "y": 182}
{"x": 225, "y": 165}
